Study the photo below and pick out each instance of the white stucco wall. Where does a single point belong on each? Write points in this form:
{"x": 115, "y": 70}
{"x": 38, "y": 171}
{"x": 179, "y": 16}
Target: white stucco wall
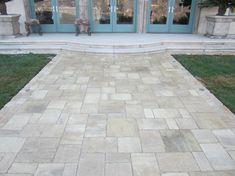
{"x": 18, "y": 7}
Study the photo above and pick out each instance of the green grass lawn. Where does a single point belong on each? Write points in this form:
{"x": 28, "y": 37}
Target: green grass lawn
{"x": 16, "y": 71}
{"x": 216, "y": 72}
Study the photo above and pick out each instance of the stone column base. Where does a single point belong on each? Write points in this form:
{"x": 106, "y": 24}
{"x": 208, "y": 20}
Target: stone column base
{"x": 9, "y": 25}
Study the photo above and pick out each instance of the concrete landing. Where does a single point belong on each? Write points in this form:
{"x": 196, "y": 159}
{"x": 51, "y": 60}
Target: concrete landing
{"x": 118, "y": 43}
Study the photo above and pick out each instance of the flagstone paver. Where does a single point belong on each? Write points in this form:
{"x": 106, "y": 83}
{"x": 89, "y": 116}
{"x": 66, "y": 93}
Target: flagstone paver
{"x": 126, "y": 115}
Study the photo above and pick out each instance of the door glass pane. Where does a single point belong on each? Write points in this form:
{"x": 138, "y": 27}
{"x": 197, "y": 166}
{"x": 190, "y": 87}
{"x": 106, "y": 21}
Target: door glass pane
{"x": 182, "y": 11}
{"x": 125, "y": 11}
{"x": 67, "y": 11}
{"x": 43, "y": 10}
{"x": 159, "y": 11}
{"x": 101, "y": 11}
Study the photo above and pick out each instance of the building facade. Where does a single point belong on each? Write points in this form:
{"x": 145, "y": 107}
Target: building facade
{"x": 129, "y": 16}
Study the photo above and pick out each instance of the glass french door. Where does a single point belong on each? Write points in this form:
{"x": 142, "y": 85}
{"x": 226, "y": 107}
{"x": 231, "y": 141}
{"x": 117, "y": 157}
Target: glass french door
{"x": 55, "y": 15}
{"x": 113, "y": 15}
{"x": 171, "y": 16}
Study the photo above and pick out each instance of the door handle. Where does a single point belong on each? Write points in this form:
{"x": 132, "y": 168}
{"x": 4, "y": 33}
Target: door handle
{"x": 111, "y": 9}
{"x": 169, "y": 9}
{"x": 172, "y": 9}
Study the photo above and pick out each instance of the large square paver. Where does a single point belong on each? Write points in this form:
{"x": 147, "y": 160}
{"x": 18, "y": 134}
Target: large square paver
{"x": 11, "y": 144}
{"x": 91, "y": 164}
{"x": 218, "y": 157}
{"x": 177, "y": 162}
{"x": 93, "y": 145}
{"x": 122, "y": 127}
{"x": 118, "y": 169}
{"x": 50, "y": 170}
{"x": 38, "y": 150}
{"x": 151, "y": 141}
{"x": 129, "y": 145}
{"x": 145, "y": 164}
{"x": 179, "y": 141}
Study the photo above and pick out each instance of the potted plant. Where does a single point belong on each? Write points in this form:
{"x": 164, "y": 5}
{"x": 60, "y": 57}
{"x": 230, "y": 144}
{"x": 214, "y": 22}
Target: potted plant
{"x": 9, "y": 23}
{"x": 218, "y": 25}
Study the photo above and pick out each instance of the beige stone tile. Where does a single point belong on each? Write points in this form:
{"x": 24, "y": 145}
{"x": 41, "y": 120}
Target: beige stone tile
{"x": 99, "y": 145}
{"x": 121, "y": 127}
{"x": 129, "y": 145}
{"x": 17, "y": 122}
{"x": 23, "y": 168}
{"x": 179, "y": 141}
{"x": 118, "y": 169}
{"x": 148, "y": 113}
{"x": 134, "y": 111}
{"x": 204, "y": 136}
{"x": 118, "y": 157}
{"x": 209, "y": 120}
{"x": 172, "y": 124}
{"x": 218, "y": 157}
{"x": 111, "y": 107}
{"x": 91, "y": 164}
{"x": 202, "y": 161}
{"x": 73, "y": 134}
{"x": 152, "y": 124}
{"x": 151, "y": 141}
{"x": 177, "y": 162}
{"x": 226, "y": 138}
{"x": 6, "y": 160}
{"x": 67, "y": 154}
{"x": 186, "y": 123}
{"x": 165, "y": 113}
{"x": 145, "y": 164}
{"x": 50, "y": 169}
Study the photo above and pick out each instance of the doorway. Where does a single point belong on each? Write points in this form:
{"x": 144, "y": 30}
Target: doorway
{"x": 113, "y": 15}
{"x": 174, "y": 16}
{"x": 55, "y": 15}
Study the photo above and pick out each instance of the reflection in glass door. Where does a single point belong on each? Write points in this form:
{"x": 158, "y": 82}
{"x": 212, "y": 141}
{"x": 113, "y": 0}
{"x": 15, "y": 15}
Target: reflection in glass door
{"x": 55, "y": 15}
{"x": 124, "y": 16}
{"x": 113, "y": 15}
{"x": 182, "y": 15}
{"x": 158, "y": 13}
{"x": 66, "y": 15}
{"x": 171, "y": 15}
{"x": 101, "y": 15}
{"x": 43, "y": 11}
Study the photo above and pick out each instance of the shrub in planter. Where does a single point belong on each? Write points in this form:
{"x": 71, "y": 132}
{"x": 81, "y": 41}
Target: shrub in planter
{"x": 218, "y": 25}
{"x": 3, "y": 7}
{"x": 221, "y": 4}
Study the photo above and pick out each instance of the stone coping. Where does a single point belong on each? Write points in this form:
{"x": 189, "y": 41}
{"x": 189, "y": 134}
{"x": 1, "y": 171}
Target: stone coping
{"x": 221, "y": 19}
{"x": 9, "y": 17}
{"x": 132, "y": 43}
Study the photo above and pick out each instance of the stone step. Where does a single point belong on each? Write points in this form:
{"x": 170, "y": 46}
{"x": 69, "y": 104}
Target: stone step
{"x": 179, "y": 47}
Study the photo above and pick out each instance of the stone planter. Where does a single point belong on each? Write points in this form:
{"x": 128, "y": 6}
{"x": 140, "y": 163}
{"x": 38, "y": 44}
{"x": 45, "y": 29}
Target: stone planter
{"x": 9, "y": 25}
{"x": 218, "y": 26}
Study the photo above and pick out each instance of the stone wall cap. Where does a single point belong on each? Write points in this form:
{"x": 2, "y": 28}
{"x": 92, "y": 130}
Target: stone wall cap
{"x": 222, "y": 19}
{"x": 10, "y": 17}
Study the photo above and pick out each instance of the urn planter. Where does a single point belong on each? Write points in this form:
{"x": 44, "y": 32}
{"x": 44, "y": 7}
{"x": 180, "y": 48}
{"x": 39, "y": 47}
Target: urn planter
{"x": 9, "y": 25}
{"x": 218, "y": 26}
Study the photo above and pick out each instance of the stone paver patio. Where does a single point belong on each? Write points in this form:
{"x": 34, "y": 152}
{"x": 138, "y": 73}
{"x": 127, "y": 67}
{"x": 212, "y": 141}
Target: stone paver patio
{"x": 116, "y": 115}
